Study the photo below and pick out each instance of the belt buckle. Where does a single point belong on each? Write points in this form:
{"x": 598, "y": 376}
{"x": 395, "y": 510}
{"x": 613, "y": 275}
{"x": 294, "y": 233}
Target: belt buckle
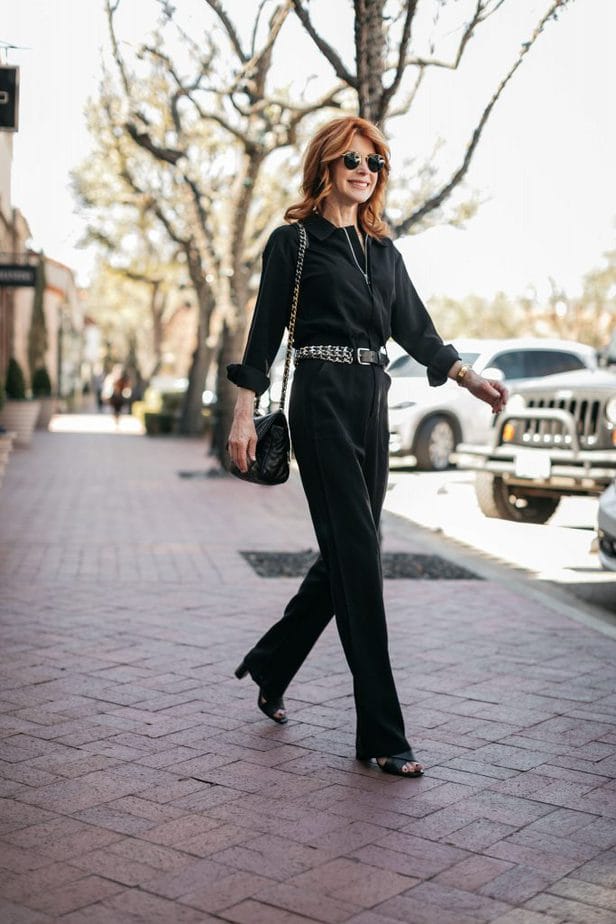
{"x": 359, "y": 351}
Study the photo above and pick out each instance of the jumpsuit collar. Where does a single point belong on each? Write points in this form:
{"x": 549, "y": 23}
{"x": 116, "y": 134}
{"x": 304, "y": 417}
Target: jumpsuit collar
{"x": 321, "y": 228}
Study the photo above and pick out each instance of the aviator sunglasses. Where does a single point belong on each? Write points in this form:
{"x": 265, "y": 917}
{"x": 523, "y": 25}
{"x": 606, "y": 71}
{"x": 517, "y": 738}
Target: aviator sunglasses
{"x": 352, "y": 160}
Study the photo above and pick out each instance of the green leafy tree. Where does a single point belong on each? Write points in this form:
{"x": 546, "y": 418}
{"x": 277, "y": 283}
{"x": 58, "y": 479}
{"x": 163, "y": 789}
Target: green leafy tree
{"x": 589, "y": 317}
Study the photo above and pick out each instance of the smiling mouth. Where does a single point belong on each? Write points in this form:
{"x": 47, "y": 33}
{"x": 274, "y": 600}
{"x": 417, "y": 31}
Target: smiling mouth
{"x": 359, "y": 183}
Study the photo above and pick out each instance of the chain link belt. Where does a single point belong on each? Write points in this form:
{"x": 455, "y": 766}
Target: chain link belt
{"x": 343, "y": 354}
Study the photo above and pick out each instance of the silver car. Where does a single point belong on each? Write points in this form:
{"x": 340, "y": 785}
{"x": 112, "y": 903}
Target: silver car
{"x": 607, "y": 528}
{"x": 427, "y": 423}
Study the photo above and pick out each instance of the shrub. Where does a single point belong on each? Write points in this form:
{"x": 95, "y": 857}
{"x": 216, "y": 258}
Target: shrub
{"x": 2, "y": 395}
{"x": 159, "y": 424}
{"x": 15, "y": 381}
{"x": 41, "y": 383}
{"x": 172, "y": 401}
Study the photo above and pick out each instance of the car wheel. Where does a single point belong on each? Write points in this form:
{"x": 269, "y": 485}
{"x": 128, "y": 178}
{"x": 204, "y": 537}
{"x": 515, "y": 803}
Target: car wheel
{"x": 434, "y": 444}
{"x": 509, "y": 502}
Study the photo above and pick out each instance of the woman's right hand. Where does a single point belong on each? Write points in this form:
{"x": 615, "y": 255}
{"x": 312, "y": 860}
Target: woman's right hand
{"x": 242, "y": 442}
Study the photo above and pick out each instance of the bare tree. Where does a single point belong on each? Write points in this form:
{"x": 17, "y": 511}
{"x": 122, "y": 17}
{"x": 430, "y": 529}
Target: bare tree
{"x": 388, "y": 75}
{"x": 226, "y": 104}
{"x": 210, "y": 121}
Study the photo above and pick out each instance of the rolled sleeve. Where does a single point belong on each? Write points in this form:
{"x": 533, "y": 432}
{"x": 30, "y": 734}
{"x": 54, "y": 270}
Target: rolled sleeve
{"x": 441, "y": 363}
{"x": 413, "y": 328}
{"x": 271, "y": 312}
{"x": 247, "y": 377}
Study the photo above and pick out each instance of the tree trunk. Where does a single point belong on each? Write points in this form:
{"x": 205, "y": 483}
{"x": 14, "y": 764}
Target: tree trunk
{"x": 234, "y": 329}
{"x": 191, "y": 420}
{"x": 157, "y": 309}
{"x": 230, "y": 349}
{"x": 369, "y": 57}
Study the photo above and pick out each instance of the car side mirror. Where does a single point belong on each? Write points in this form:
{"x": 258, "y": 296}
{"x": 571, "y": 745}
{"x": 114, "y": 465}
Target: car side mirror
{"x": 493, "y": 373}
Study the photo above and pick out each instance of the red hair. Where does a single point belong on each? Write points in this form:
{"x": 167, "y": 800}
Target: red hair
{"x": 330, "y": 143}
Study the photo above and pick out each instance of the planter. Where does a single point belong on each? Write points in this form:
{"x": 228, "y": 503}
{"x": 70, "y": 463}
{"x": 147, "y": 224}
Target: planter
{"x": 20, "y": 416}
{"x": 159, "y": 424}
{"x": 48, "y": 409}
{"x": 6, "y": 445}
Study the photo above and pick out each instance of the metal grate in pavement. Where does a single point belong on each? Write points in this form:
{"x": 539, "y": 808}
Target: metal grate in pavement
{"x": 396, "y": 565}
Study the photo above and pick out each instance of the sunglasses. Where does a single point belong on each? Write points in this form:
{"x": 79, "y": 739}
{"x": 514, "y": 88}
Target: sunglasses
{"x": 352, "y": 160}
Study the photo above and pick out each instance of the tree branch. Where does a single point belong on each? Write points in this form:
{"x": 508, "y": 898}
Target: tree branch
{"x": 111, "y": 11}
{"x": 229, "y": 28}
{"x": 324, "y": 47}
{"x": 143, "y": 139}
{"x": 482, "y": 12}
{"x": 390, "y": 91}
{"x": 253, "y": 37}
{"x": 297, "y": 114}
{"x": 436, "y": 200}
{"x": 406, "y": 104}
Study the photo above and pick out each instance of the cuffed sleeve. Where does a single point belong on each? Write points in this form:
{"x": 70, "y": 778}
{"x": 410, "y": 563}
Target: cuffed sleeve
{"x": 271, "y": 312}
{"x": 247, "y": 377}
{"x": 413, "y": 329}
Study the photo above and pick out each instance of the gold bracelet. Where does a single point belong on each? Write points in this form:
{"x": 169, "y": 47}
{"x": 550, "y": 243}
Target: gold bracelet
{"x": 462, "y": 372}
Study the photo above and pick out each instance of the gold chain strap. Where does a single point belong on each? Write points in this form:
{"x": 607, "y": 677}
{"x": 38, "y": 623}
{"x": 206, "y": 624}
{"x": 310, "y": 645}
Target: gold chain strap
{"x": 303, "y": 242}
{"x": 294, "y": 303}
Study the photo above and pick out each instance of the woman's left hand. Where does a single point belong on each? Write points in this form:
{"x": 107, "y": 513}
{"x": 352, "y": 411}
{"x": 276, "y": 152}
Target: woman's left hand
{"x": 489, "y": 390}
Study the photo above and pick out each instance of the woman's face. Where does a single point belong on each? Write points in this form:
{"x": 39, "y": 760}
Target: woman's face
{"x": 352, "y": 187}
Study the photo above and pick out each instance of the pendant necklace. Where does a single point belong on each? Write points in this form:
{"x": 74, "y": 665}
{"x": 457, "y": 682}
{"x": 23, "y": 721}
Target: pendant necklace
{"x": 364, "y": 271}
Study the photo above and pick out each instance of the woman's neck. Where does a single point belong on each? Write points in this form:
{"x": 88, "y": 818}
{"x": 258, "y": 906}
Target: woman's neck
{"x": 340, "y": 215}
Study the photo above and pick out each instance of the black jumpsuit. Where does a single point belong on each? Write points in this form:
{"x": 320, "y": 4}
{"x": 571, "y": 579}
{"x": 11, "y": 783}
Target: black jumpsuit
{"x": 340, "y": 436}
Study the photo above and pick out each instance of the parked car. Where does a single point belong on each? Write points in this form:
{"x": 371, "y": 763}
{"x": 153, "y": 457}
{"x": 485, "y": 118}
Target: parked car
{"x": 556, "y": 437}
{"x": 607, "y": 528}
{"x": 428, "y": 423}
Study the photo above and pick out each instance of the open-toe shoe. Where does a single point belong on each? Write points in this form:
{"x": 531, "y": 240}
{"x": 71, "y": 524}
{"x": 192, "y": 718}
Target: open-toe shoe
{"x": 396, "y": 763}
{"x": 271, "y": 706}
{"x": 268, "y": 705}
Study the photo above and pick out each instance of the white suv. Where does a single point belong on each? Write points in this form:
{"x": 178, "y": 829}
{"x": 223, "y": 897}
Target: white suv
{"x": 427, "y": 423}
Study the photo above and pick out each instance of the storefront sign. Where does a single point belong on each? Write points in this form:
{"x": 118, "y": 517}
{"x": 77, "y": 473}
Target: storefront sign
{"x": 9, "y": 98}
{"x": 14, "y": 274}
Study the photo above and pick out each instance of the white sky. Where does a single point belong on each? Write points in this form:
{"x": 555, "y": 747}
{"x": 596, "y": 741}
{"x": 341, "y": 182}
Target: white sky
{"x": 545, "y": 164}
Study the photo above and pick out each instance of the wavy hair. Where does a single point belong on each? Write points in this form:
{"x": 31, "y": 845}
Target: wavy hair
{"x": 330, "y": 143}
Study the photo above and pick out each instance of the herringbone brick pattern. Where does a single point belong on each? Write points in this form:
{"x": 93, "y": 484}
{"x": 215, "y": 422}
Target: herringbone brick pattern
{"x": 140, "y": 782}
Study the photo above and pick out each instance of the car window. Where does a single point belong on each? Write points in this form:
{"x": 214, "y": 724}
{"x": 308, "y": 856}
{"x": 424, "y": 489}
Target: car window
{"x": 468, "y": 357}
{"x": 551, "y": 362}
{"x": 510, "y": 362}
{"x": 406, "y": 366}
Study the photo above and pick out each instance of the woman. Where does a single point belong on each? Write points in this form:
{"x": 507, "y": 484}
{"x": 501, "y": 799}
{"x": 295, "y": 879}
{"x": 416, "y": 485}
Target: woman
{"x": 355, "y": 293}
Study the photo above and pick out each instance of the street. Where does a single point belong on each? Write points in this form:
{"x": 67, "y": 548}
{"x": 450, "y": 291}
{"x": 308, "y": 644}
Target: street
{"x": 556, "y": 554}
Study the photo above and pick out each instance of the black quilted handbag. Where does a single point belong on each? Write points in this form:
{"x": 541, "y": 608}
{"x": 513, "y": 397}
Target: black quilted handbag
{"x": 273, "y": 450}
{"x": 271, "y": 465}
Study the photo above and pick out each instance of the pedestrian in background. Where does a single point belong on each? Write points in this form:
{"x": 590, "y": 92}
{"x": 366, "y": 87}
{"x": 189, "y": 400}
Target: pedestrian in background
{"x": 355, "y": 294}
{"x": 120, "y": 395}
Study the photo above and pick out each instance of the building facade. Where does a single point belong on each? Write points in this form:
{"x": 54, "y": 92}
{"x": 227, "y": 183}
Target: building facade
{"x": 62, "y": 302}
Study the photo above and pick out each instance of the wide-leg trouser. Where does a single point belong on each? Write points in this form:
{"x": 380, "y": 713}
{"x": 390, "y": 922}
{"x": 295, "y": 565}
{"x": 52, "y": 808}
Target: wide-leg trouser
{"x": 340, "y": 435}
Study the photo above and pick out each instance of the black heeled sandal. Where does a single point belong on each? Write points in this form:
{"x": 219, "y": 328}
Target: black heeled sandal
{"x": 241, "y": 671}
{"x": 268, "y": 706}
{"x": 396, "y": 763}
{"x": 271, "y": 706}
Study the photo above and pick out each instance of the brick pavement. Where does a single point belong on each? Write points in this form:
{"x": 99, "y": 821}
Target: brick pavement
{"x": 140, "y": 783}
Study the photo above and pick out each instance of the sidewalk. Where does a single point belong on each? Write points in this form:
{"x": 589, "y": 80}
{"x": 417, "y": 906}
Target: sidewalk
{"x": 141, "y": 784}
